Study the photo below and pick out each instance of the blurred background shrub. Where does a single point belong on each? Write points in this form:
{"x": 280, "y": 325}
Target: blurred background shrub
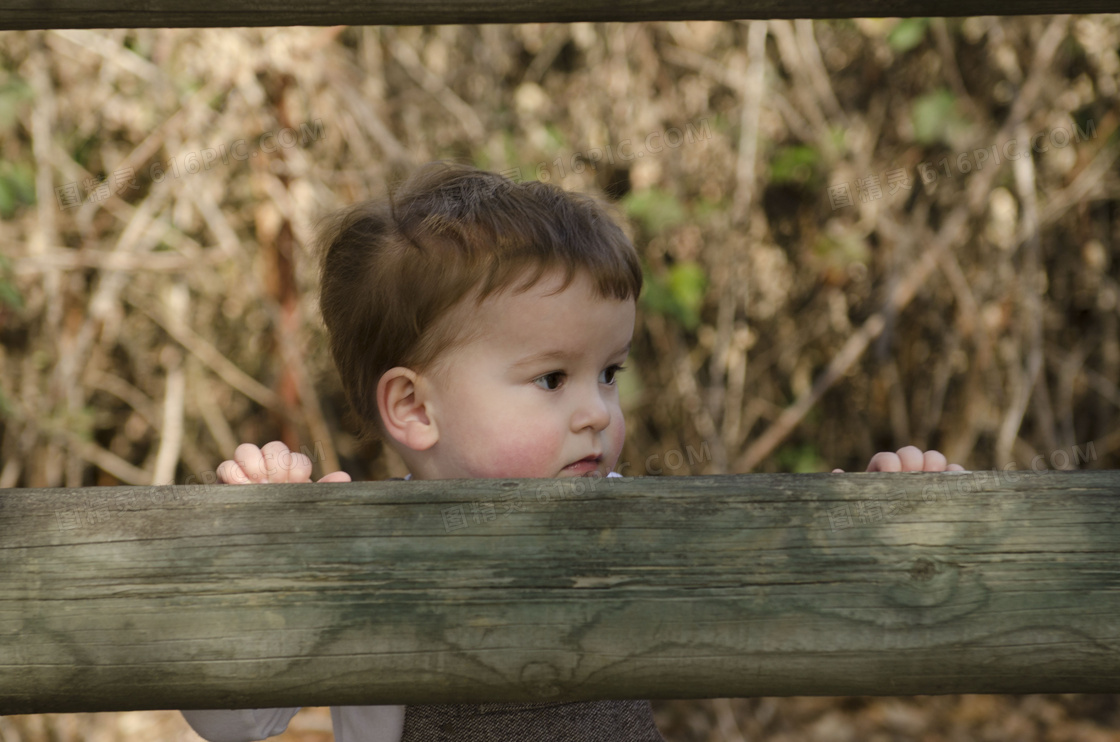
{"x": 857, "y": 235}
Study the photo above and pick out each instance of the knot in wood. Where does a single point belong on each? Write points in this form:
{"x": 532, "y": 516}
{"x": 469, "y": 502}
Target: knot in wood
{"x": 923, "y": 570}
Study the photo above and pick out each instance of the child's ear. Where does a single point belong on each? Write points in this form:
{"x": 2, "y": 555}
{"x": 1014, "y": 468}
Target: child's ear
{"x": 404, "y": 411}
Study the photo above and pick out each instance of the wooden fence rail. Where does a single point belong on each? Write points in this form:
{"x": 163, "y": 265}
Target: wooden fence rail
{"x": 28, "y": 14}
{"x": 122, "y": 598}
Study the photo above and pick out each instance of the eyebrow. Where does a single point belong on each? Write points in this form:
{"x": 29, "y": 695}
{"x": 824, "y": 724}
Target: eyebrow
{"x": 559, "y": 355}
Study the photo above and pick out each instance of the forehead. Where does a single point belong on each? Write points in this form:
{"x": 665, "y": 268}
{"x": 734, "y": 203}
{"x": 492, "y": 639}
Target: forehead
{"x": 546, "y": 313}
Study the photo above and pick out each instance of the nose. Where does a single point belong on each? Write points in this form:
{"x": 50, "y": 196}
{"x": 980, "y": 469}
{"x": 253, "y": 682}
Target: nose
{"x": 592, "y": 411}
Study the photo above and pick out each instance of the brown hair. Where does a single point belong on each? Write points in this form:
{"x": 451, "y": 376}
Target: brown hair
{"x": 392, "y": 267}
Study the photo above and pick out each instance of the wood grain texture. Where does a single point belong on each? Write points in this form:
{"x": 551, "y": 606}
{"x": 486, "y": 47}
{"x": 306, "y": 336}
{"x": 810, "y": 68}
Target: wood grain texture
{"x": 130, "y": 598}
{"x": 28, "y": 14}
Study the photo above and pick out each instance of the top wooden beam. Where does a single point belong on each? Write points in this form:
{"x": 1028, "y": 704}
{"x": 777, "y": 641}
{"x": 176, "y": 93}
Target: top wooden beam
{"x": 31, "y": 14}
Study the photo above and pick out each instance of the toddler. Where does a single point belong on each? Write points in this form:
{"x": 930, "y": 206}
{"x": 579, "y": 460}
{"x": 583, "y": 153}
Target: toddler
{"x": 478, "y": 327}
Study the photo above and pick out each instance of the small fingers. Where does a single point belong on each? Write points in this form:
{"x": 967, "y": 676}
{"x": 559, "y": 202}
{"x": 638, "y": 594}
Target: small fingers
{"x": 230, "y": 472}
{"x": 336, "y": 476}
{"x": 277, "y": 462}
{"x": 274, "y": 463}
{"x": 934, "y": 461}
{"x": 885, "y": 461}
{"x": 252, "y": 463}
{"x": 300, "y": 470}
{"x": 911, "y": 458}
{"x": 286, "y": 465}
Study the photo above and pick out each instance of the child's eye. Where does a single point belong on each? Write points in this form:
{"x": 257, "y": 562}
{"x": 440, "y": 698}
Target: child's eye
{"x": 551, "y": 381}
{"x": 607, "y": 377}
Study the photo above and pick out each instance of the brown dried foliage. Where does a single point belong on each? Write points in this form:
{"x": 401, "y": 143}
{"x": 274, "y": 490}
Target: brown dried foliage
{"x": 145, "y": 333}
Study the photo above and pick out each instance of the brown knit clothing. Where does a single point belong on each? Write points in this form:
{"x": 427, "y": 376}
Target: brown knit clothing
{"x": 580, "y": 721}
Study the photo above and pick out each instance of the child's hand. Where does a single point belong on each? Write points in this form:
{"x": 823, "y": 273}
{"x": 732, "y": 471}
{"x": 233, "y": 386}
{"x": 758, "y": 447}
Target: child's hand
{"x": 909, "y": 458}
{"x": 273, "y": 464}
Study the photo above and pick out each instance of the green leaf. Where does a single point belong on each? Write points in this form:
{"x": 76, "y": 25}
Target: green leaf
{"x": 656, "y": 296}
{"x": 7, "y": 410}
{"x": 9, "y": 294}
{"x": 801, "y": 459}
{"x": 13, "y": 92}
{"x": 688, "y": 284}
{"x": 935, "y": 116}
{"x": 7, "y": 198}
{"x": 481, "y": 159}
{"x": 23, "y": 178}
{"x": 794, "y": 165}
{"x": 907, "y": 34}
{"x": 706, "y": 207}
{"x": 842, "y": 248}
{"x": 556, "y": 139}
{"x": 678, "y": 294}
{"x": 17, "y": 188}
{"x": 656, "y": 210}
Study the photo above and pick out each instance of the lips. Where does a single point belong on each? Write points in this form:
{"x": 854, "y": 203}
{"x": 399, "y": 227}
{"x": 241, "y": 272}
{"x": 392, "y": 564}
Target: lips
{"x": 585, "y": 465}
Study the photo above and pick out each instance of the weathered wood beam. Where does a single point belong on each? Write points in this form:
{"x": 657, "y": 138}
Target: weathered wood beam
{"x": 122, "y": 598}
{"x": 28, "y": 14}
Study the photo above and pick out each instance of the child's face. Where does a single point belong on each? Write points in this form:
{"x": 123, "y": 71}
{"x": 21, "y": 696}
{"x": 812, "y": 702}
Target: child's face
{"x": 534, "y": 395}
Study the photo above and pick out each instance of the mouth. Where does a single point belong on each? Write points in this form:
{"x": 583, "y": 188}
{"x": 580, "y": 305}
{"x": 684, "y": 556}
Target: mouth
{"x": 586, "y": 465}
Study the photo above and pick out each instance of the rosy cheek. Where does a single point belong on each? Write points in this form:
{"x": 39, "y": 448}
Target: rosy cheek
{"x": 618, "y": 436}
{"x": 519, "y": 453}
